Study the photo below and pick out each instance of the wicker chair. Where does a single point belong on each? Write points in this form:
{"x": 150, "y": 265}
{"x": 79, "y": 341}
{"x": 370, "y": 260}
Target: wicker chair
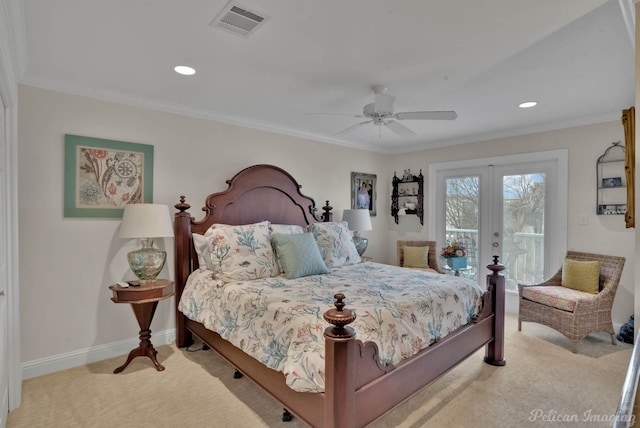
{"x": 591, "y": 313}
{"x": 432, "y": 258}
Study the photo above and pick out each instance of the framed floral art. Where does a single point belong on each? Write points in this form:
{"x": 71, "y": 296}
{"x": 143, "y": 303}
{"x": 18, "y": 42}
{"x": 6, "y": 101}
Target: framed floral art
{"x": 102, "y": 176}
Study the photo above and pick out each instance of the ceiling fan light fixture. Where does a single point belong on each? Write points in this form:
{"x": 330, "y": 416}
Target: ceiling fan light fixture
{"x": 528, "y": 104}
{"x": 381, "y": 112}
{"x": 185, "y": 70}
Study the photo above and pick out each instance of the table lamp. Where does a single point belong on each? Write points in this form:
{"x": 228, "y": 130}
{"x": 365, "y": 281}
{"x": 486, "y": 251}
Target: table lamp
{"x": 358, "y": 220}
{"x": 146, "y": 221}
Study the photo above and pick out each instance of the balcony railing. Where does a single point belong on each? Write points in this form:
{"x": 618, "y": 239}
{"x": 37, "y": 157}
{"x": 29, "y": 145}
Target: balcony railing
{"x": 522, "y": 256}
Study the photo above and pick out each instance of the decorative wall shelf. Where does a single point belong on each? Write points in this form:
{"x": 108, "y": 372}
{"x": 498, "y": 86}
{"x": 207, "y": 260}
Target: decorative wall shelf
{"x": 611, "y": 182}
{"x": 408, "y": 195}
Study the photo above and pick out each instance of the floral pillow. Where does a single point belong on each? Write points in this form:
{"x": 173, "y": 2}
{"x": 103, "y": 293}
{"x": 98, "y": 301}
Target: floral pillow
{"x": 335, "y": 243}
{"x": 241, "y": 253}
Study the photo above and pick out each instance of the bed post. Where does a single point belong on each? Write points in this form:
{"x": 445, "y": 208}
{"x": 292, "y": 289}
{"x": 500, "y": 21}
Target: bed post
{"x": 182, "y": 232}
{"x": 327, "y": 215}
{"x": 340, "y": 379}
{"x": 494, "y": 351}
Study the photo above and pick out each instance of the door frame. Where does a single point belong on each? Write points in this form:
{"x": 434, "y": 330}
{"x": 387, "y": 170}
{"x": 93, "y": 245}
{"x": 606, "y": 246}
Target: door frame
{"x": 12, "y": 63}
{"x": 557, "y": 246}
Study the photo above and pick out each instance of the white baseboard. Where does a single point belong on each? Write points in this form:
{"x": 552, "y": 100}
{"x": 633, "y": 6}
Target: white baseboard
{"x": 93, "y": 354}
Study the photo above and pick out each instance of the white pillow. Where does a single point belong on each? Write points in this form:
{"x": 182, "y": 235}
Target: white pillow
{"x": 335, "y": 243}
{"x": 241, "y": 253}
{"x": 203, "y": 250}
{"x": 286, "y": 229}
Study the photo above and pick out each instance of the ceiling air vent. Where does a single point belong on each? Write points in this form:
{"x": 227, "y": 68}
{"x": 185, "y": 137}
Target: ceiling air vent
{"x": 238, "y": 19}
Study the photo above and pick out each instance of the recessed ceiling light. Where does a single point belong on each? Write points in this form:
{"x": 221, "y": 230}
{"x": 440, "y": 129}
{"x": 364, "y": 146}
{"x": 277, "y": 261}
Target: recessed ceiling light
{"x": 185, "y": 70}
{"x": 528, "y": 104}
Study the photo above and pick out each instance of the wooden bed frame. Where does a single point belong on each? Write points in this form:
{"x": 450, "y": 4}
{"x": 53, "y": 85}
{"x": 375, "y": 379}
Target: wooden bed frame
{"x": 358, "y": 389}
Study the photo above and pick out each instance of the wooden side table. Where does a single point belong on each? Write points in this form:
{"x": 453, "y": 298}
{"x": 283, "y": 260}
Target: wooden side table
{"x": 144, "y": 300}
{"x": 456, "y": 271}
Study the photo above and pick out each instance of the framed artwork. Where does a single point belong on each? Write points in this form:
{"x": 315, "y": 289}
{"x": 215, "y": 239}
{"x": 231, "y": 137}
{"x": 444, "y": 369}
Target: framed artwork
{"x": 363, "y": 192}
{"x": 102, "y": 176}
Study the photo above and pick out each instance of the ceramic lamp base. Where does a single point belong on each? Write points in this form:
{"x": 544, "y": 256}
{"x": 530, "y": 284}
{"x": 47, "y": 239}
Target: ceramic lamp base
{"x": 361, "y": 243}
{"x": 147, "y": 262}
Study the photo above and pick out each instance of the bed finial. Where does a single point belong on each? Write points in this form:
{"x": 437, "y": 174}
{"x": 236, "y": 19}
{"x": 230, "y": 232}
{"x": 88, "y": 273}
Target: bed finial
{"x": 182, "y": 206}
{"x": 340, "y": 318}
{"x": 327, "y": 215}
{"x": 496, "y": 267}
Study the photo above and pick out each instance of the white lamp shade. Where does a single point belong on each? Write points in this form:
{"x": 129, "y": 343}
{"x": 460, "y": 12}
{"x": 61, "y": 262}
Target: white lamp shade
{"x": 357, "y": 219}
{"x": 146, "y": 221}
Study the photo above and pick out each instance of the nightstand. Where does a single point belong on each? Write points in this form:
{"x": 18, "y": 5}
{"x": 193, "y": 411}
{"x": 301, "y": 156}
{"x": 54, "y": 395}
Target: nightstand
{"x": 144, "y": 300}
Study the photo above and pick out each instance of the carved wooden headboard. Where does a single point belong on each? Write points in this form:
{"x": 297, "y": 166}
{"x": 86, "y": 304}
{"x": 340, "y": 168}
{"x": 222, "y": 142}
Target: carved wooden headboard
{"x": 257, "y": 193}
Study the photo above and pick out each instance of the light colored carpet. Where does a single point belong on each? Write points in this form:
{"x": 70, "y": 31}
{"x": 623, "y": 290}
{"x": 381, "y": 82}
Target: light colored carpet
{"x": 542, "y": 385}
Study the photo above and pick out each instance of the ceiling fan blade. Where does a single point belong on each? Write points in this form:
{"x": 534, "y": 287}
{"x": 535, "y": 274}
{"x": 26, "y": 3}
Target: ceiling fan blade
{"x": 336, "y": 114}
{"x": 351, "y": 128}
{"x": 426, "y": 115}
{"x": 399, "y": 128}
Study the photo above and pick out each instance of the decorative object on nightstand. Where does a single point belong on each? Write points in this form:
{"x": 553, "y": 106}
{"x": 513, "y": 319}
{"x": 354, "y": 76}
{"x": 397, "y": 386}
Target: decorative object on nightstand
{"x": 146, "y": 221}
{"x": 144, "y": 300}
{"x": 455, "y": 255}
{"x": 358, "y": 221}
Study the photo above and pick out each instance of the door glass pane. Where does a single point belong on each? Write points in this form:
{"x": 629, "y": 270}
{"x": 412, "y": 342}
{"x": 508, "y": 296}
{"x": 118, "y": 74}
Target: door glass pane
{"x": 462, "y": 218}
{"x": 523, "y": 228}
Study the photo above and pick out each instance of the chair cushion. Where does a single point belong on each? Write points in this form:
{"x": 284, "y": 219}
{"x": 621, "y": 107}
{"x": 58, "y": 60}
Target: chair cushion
{"x": 558, "y": 297}
{"x": 581, "y": 275}
{"x": 416, "y": 257}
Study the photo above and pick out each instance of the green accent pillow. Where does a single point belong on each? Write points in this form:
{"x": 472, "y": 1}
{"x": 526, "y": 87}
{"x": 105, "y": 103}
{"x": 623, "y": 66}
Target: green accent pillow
{"x": 299, "y": 255}
{"x": 416, "y": 257}
{"x": 581, "y": 275}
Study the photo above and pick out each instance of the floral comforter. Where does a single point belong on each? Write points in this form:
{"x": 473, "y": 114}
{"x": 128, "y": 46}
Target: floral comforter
{"x": 279, "y": 321}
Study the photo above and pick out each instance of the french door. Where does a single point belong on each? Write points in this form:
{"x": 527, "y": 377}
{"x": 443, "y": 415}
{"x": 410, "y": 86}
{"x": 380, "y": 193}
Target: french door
{"x": 513, "y": 207}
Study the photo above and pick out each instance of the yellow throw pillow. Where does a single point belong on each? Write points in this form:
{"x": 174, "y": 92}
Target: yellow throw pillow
{"x": 581, "y": 275}
{"x": 416, "y": 257}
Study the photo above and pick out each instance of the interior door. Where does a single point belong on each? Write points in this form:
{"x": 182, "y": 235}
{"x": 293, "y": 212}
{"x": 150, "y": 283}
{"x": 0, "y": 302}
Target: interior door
{"x": 513, "y": 207}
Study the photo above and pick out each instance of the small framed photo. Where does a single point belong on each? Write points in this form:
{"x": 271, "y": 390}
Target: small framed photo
{"x": 612, "y": 182}
{"x": 102, "y": 176}
{"x": 363, "y": 192}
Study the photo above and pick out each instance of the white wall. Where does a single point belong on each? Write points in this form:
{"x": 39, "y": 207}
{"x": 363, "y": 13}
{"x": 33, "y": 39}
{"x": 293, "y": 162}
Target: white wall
{"x": 66, "y": 264}
{"x": 602, "y": 234}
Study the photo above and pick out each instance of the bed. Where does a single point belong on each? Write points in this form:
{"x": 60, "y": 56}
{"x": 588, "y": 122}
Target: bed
{"x": 359, "y": 381}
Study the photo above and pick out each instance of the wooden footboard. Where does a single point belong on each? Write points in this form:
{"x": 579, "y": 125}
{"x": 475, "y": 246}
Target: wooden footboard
{"x": 358, "y": 390}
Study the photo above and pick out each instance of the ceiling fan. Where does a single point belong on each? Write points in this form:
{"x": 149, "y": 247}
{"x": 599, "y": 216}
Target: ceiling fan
{"x": 381, "y": 113}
